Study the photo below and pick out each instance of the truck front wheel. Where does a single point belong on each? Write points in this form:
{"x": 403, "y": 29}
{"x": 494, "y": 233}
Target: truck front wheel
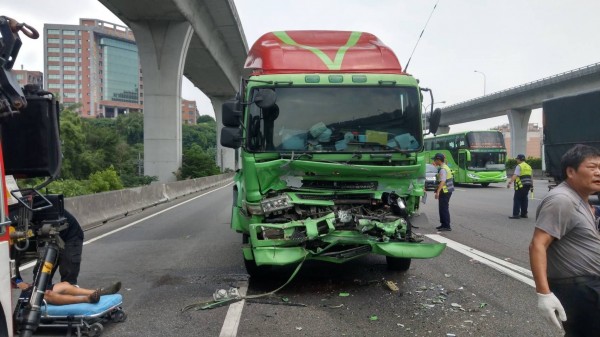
{"x": 255, "y": 272}
{"x": 398, "y": 263}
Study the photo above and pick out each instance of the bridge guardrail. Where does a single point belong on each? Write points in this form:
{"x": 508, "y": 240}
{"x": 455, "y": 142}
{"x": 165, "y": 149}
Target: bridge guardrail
{"x": 94, "y": 209}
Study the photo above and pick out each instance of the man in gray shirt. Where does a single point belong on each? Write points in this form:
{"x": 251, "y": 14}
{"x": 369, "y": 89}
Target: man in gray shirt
{"x": 565, "y": 249}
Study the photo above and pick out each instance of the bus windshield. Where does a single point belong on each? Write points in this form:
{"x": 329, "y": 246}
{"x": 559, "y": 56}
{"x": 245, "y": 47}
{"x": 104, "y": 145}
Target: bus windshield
{"x": 484, "y": 161}
{"x": 337, "y": 119}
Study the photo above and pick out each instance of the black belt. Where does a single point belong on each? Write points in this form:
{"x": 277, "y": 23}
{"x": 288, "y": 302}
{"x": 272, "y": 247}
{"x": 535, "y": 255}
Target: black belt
{"x": 574, "y": 280}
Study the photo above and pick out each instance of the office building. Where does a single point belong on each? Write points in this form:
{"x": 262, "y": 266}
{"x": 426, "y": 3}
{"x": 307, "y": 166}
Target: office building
{"x": 93, "y": 66}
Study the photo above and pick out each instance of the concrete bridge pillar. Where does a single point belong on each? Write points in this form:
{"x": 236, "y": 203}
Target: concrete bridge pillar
{"x": 226, "y": 158}
{"x": 519, "y": 122}
{"x": 162, "y": 47}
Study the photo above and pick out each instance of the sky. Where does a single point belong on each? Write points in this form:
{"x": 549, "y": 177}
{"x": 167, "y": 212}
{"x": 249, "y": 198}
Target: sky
{"x": 467, "y": 46}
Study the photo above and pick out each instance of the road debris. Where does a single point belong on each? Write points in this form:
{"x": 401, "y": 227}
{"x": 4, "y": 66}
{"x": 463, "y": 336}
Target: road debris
{"x": 392, "y": 286}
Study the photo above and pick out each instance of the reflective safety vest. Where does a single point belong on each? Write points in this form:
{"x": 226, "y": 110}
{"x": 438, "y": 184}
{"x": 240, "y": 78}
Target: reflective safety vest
{"x": 525, "y": 177}
{"x": 449, "y": 186}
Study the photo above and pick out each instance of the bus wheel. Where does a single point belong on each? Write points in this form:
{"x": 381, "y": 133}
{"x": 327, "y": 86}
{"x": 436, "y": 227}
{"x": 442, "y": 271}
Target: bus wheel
{"x": 485, "y": 184}
{"x": 398, "y": 263}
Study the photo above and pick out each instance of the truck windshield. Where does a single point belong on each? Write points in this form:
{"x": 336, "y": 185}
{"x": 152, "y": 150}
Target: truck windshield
{"x": 337, "y": 119}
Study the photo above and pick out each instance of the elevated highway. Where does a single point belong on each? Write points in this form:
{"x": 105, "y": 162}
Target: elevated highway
{"x": 204, "y": 40}
{"x": 201, "y": 39}
{"x": 517, "y": 102}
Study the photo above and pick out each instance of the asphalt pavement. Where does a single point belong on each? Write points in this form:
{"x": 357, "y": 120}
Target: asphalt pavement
{"x": 180, "y": 253}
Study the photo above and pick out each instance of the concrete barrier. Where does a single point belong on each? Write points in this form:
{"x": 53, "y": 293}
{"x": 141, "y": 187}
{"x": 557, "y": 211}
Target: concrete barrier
{"x": 94, "y": 209}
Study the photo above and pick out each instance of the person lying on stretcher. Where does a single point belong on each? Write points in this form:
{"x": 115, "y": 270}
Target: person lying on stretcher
{"x": 66, "y": 293}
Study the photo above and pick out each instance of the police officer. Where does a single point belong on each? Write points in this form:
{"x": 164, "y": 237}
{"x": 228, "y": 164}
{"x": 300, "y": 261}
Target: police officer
{"x": 443, "y": 191}
{"x": 523, "y": 183}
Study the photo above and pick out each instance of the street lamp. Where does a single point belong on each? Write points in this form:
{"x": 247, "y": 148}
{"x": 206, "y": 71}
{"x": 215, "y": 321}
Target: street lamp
{"x": 426, "y": 114}
{"x": 477, "y": 71}
{"x": 427, "y": 107}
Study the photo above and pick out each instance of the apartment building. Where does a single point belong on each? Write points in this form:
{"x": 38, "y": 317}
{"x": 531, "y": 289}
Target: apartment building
{"x": 93, "y": 66}
{"x": 189, "y": 112}
{"x": 29, "y": 77}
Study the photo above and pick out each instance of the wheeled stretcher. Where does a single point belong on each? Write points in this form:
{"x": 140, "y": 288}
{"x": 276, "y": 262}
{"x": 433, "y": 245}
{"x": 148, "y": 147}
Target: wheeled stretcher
{"x": 88, "y": 319}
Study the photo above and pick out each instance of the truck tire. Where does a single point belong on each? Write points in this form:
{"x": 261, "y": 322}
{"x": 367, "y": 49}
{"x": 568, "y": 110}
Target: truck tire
{"x": 255, "y": 272}
{"x": 398, "y": 263}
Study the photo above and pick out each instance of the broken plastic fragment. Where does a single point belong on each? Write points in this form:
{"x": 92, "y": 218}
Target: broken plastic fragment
{"x": 344, "y": 294}
{"x": 392, "y": 286}
{"x": 373, "y": 318}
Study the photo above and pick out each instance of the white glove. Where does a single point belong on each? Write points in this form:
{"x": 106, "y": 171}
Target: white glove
{"x": 548, "y": 304}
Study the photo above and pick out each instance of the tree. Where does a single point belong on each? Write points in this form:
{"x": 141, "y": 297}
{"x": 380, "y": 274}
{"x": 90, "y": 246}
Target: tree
{"x": 106, "y": 180}
{"x": 76, "y": 161}
{"x": 206, "y": 119}
{"x": 132, "y": 127}
{"x": 196, "y": 164}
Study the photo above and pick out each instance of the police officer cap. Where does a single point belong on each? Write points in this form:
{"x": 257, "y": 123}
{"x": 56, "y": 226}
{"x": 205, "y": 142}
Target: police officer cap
{"x": 439, "y": 156}
{"x": 521, "y": 157}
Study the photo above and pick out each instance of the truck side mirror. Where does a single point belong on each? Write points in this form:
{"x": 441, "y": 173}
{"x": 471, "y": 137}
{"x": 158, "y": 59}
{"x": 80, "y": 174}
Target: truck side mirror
{"x": 231, "y": 137}
{"x": 231, "y": 113}
{"x": 434, "y": 120}
{"x": 265, "y": 98}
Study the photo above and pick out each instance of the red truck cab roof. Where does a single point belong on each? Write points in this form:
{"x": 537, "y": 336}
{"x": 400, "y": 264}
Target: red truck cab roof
{"x": 320, "y": 51}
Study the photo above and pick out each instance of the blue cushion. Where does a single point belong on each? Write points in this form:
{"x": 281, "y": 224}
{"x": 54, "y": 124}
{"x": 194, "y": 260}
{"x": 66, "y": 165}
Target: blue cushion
{"x": 83, "y": 309}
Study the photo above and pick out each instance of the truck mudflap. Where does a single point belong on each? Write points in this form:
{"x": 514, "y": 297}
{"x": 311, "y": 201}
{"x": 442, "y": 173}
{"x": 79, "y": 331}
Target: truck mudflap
{"x": 319, "y": 239}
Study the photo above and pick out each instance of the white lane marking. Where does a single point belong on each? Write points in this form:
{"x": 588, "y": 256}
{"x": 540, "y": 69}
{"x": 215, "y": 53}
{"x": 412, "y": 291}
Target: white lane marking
{"x": 32, "y": 263}
{"x": 234, "y": 314}
{"x": 507, "y": 268}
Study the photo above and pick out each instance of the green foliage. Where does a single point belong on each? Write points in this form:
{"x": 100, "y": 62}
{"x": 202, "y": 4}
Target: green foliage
{"x": 69, "y": 187}
{"x": 105, "y": 180}
{"x": 132, "y": 127}
{"x": 196, "y": 164}
{"x": 206, "y": 119}
{"x": 107, "y": 154}
{"x": 535, "y": 163}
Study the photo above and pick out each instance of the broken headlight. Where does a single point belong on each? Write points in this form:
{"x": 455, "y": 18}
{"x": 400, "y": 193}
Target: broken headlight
{"x": 275, "y": 204}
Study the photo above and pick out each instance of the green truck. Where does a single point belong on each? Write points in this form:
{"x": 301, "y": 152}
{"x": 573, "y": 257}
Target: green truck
{"x": 329, "y": 133}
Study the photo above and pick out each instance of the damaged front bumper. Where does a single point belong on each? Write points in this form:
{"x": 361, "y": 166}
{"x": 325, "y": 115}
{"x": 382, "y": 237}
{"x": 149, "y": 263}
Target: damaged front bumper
{"x": 324, "y": 239}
